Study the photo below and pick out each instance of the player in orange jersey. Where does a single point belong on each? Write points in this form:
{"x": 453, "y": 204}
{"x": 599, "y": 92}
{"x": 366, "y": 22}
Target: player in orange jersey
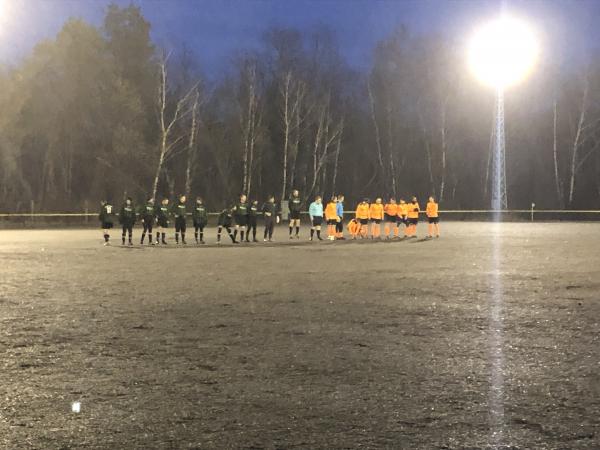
{"x": 433, "y": 217}
{"x": 391, "y": 218}
{"x": 376, "y": 215}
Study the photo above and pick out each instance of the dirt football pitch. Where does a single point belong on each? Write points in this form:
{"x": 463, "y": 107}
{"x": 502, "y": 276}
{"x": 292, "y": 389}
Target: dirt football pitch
{"x": 486, "y": 338}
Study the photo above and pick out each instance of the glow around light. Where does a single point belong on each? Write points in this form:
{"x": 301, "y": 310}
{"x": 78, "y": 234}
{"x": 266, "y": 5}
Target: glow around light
{"x": 503, "y": 52}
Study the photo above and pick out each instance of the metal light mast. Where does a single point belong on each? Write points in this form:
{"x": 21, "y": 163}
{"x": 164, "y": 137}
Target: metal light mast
{"x": 499, "y": 198}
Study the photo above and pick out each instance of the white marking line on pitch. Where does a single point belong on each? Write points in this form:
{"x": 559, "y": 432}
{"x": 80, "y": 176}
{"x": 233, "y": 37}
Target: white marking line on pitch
{"x": 496, "y": 342}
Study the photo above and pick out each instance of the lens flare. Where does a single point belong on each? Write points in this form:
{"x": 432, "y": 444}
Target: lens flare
{"x": 503, "y": 52}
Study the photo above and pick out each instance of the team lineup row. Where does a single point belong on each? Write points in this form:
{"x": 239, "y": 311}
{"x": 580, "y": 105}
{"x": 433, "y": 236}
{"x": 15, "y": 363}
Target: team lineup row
{"x": 243, "y": 218}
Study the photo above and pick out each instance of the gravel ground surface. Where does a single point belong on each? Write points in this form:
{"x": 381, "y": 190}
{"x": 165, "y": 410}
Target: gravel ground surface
{"x": 485, "y": 338}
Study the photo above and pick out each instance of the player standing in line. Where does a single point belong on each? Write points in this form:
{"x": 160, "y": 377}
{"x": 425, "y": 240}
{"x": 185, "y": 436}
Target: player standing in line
{"x": 339, "y": 229}
{"x": 403, "y": 215}
{"x": 200, "y": 218}
{"x": 391, "y": 218}
{"x": 315, "y": 211}
{"x": 225, "y": 222}
{"x": 332, "y": 218}
{"x": 180, "y": 215}
{"x": 295, "y": 205}
{"x": 162, "y": 220}
{"x": 413, "y": 217}
{"x": 252, "y": 221}
{"x": 362, "y": 215}
{"x": 147, "y": 215}
{"x": 106, "y": 217}
{"x": 434, "y": 219}
{"x": 271, "y": 215}
{"x": 376, "y": 214}
{"x": 127, "y": 220}
{"x": 240, "y": 217}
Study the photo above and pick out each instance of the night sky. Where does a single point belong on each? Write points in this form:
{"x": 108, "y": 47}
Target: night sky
{"x": 215, "y": 29}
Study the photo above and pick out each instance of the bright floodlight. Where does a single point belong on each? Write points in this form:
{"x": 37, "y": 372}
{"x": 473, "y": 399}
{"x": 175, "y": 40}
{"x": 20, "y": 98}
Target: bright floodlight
{"x": 503, "y": 52}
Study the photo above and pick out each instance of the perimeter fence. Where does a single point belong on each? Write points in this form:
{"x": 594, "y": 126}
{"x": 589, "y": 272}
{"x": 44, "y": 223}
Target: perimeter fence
{"x": 87, "y": 219}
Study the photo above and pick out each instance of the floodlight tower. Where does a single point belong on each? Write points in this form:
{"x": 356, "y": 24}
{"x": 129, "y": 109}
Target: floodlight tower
{"x": 499, "y": 198}
{"x": 502, "y": 52}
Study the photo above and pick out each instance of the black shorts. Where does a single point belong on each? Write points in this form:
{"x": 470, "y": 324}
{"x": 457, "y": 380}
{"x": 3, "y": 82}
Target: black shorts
{"x": 403, "y": 220}
{"x": 107, "y": 225}
{"x": 317, "y": 221}
{"x": 180, "y": 224}
{"x": 162, "y": 222}
{"x": 294, "y": 215}
{"x": 332, "y": 222}
{"x": 199, "y": 224}
{"x": 364, "y": 221}
{"x": 391, "y": 219}
{"x": 241, "y": 221}
{"x": 413, "y": 221}
{"x": 434, "y": 220}
{"x": 376, "y": 221}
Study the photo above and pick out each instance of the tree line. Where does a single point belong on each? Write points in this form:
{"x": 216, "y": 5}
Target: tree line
{"x": 102, "y": 112}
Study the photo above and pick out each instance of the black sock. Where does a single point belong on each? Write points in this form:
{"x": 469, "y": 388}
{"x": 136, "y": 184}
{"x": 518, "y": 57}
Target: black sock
{"x": 266, "y": 233}
{"x": 130, "y": 237}
{"x": 196, "y": 235}
{"x": 297, "y": 231}
{"x": 157, "y": 236}
{"x": 143, "y": 236}
{"x": 319, "y": 234}
{"x": 254, "y": 234}
{"x": 291, "y": 229}
{"x": 105, "y": 237}
{"x": 231, "y": 236}
{"x": 241, "y": 235}
{"x": 164, "y": 235}
{"x": 219, "y": 235}
{"x": 150, "y": 237}
{"x": 202, "y": 236}
{"x": 235, "y": 234}
{"x": 182, "y": 237}
{"x": 312, "y": 233}
{"x": 123, "y": 238}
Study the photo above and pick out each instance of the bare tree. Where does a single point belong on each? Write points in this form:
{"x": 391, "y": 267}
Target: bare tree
{"x": 337, "y": 157}
{"x": 444, "y": 146}
{"x": 191, "y": 149}
{"x": 292, "y": 92}
{"x": 250, "y": 121}
{"x": 376, "y": 128}
{"x": 428, "y": 151}
{"x": 326, "y": 133}
{"x": 557, "y": 180}
{"x": 168, "y": 141}
{"x": 390, "y": 142}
